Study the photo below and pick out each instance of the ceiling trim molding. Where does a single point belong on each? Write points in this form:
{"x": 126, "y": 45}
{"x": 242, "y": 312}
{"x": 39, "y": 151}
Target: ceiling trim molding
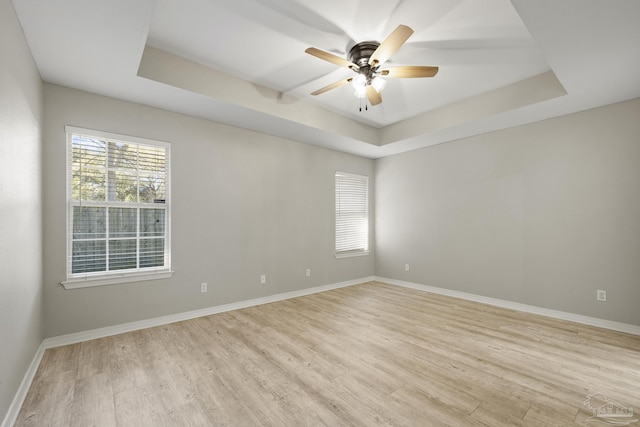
{"x": 173, "y": 70}
{"x": 533, "y": 90}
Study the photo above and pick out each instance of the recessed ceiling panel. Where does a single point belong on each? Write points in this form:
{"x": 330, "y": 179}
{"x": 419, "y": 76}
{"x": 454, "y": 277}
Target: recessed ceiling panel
{"x": 478, "y": 45}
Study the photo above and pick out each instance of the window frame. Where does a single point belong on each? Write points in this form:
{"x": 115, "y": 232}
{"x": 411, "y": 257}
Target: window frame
{"x": 352, "y": 252}
{"x": 90, "y": 279}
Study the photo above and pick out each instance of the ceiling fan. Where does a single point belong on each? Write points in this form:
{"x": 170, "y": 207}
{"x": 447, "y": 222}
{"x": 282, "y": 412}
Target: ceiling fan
{"x": 366, "y": 59}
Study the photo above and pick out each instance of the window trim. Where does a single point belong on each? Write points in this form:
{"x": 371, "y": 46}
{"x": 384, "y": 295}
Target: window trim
{"x": 339, "y": 255}
{"x": 91, "y": 279}
{"x": 356, "y": 252}
{"x": 115, "y": 278}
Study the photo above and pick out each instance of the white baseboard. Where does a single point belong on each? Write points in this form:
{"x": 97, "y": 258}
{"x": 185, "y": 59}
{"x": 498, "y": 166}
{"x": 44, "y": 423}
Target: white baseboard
{"x": 178, "y": 317}
{"x": 556, "y": 314}
{"x": 14, "y": 409}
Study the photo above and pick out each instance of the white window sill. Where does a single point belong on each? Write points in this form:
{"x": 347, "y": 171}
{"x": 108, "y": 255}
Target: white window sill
{"x": 114, "y": 279}
{"x": 351, "y": 254}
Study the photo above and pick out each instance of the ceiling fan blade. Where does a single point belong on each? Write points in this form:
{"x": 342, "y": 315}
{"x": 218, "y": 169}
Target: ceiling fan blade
{"x": 373, "y": 96}
{"x": 409, "y": 71}
{"x": 331, "y": 86}
{"x": 331, "y": 58}
{"x": 390, "y": 45}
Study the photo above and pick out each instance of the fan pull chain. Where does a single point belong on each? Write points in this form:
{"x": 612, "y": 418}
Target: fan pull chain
{"x": 366, "y": 105}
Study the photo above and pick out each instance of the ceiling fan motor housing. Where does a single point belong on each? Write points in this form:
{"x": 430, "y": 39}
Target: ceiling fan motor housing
{"x": 360, "y": 53}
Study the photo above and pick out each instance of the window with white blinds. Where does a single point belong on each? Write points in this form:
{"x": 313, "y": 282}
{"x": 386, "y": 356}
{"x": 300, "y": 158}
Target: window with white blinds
{"x": 118, "y": 206}
{"x": 352, "y": 214}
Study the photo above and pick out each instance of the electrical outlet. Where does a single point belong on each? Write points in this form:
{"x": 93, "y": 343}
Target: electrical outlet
{"x": 601, "y": 295}
{"x": 308, "y": 273}
{"x": 203, "y": 287}
{"x": 263, "y": 279}
{"x": 406, "y": 267}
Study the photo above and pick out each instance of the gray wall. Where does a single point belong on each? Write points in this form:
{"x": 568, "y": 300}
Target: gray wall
{"x": 20, "y": 207}
{"x": 243, "y": 204}
{"x": 543, "y": 214}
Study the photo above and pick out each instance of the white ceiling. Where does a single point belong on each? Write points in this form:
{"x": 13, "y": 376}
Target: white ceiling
{"x": 242, "y": 62}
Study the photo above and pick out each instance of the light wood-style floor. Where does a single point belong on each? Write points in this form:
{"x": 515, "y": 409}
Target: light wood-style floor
{"x": 365, "y": 355}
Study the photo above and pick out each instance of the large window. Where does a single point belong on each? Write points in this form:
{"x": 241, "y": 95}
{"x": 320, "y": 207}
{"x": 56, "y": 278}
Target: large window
{"x": 352, "y": 214}
{"x": 118, "y": 208}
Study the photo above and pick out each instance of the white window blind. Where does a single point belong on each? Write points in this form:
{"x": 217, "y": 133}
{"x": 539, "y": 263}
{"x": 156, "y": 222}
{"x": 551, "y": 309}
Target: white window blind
{"x": 352, "y": 214}
{"x": 118, "y": 205}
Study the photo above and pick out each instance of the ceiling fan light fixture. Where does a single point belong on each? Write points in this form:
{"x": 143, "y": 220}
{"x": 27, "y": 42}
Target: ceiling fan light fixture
{"x": 359, "y": 84}
{"x": 378, "y": 83}
{"x": 360, "y": 91}
{"x": 359, "y": 81}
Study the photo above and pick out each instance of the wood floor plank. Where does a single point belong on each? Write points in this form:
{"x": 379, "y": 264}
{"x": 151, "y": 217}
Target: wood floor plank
{"x": 138, "y": 407}
{"x": 125, "y": 364}
{"x": 94, "y": 357}
{"x": 367, "y": 355}
{"x": 60, "y": 359}
{"x": 93, "y": 402}
{"x": 49, "y": 401}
